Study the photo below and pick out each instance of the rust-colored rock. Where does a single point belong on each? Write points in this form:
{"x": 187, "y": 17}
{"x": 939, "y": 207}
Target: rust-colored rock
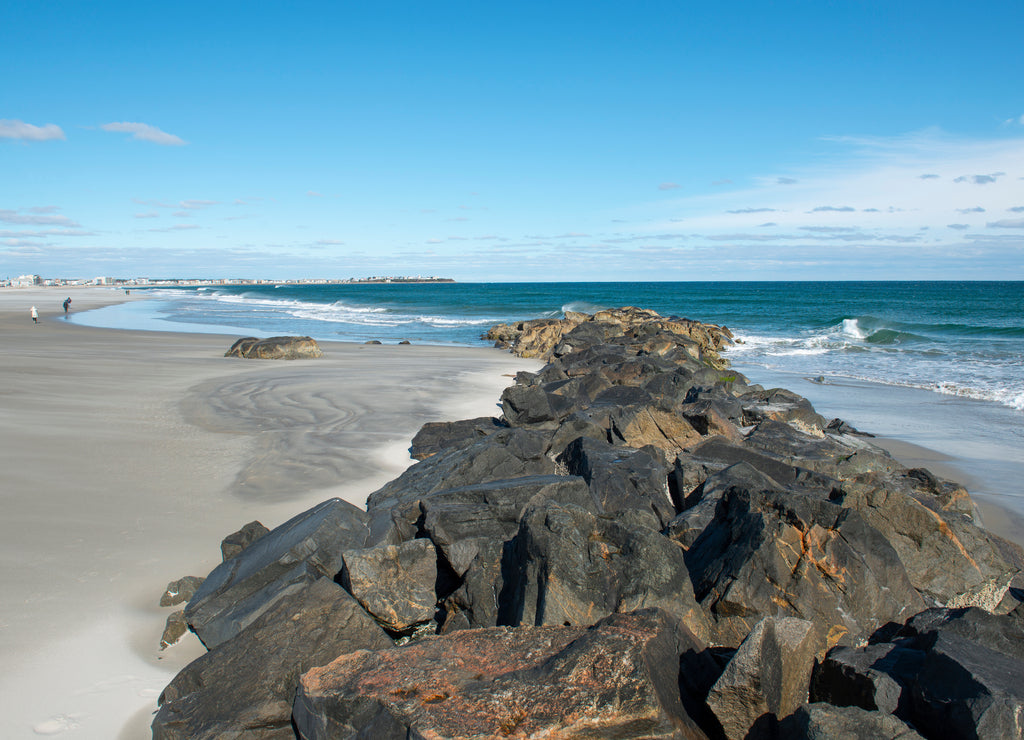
{"x": 619, "y": 678}
{"x": 541, "y": 337}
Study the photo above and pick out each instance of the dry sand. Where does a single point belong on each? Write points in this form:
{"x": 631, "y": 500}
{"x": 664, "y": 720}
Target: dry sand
{"x": 127, "y": 456}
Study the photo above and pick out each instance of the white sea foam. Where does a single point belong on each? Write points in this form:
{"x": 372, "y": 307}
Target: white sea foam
{"x": 851, "y": 328}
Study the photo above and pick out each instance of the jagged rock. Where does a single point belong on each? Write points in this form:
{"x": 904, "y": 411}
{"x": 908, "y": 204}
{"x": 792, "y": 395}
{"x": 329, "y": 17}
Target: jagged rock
{"x": 394, "y": 583}
{"x": 567, "y": 565}
{"x": 780, "y": 553}
{"x": 435, "y": 436}
{"x": 232, "y": 545}
{"x": 949, "y": 560}
{"x": 631, "y": 675}
{"x": 948, "y": 672}
{"x": 826, "y": 722}
{"x": 540, "y": 338}
{"x": 394, "y": 509}
{"x": 300, "y": 551}
{"x": 244, "y": 688}
{"x": 460, "y": 520}
{"x": 180, "y": 591}
{"x": 767, "y": 679}
{"x": 703, "y": 502}
{"x": 779, "y": 404}
{"x": 622, "y": 478}
{"x": 869, "y": 677}
{"x": 174, "y": 629}
{"x": 275, "y": 348}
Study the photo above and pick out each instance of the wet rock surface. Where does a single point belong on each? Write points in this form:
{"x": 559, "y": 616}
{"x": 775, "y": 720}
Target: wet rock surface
{"x": 644, "y": 545}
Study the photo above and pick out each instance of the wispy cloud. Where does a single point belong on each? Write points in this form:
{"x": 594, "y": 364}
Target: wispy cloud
{"x": 751, "y": 210}
{"x": 668, "y": 186}
{"x": 175, "y": 227}
{"x": 14, "y": 129}
{"x": 144, "y": 132}
{"x": 36, "y": 216}
{"x": 1007, "y": 223}
{"x": 979, "y": 179}
{"x": 833, "y": 209}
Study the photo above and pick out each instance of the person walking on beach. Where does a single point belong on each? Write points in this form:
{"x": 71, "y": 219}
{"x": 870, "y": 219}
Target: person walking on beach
{"x": 35, "y": 315}
{"x": 67, "y": 304}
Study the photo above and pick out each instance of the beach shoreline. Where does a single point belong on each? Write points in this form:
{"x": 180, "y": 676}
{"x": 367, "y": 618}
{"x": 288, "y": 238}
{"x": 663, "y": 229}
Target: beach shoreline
{"x": 116, "y": 485}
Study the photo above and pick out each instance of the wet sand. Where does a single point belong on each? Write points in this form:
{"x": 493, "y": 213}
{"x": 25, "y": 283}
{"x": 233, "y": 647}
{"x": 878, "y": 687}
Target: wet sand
{"x": 129, "y": 455}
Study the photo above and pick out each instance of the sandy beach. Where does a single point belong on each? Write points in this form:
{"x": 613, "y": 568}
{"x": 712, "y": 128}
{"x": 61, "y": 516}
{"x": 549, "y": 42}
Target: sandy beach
{"x": 128, "y": 456}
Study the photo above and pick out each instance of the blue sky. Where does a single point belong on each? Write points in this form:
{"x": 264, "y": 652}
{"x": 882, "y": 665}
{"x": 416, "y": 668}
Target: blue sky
{"x": 513, "y": 141}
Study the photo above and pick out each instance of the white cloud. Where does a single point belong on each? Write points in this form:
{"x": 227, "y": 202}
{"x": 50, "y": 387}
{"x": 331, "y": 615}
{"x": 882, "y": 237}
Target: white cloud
{"x": 36, "y": 216}
{"x": 877, "y": 188}
{"x": 14, "y": 129}
{"x": 144, "y": 132}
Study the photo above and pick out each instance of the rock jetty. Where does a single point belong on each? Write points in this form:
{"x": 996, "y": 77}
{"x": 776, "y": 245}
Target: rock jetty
{"x": 643, "y": 545}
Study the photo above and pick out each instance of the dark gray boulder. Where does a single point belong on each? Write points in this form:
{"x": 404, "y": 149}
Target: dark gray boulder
{"x": 244, "y": 687}
{"x": 435, "y": 436}
{"x": 767, "y": 679}
{"x": 629, "y": 676}
{"x": 232, "y": 545}
{"x": 826, "y": 722}
{"x": 394, "y": 509}
{"x": 702, "y": 504}
{"x": 567, "y": 565}
{"x": 460, "y": 520}
{"x": 301, "y": 550}
{"x": 275, "y": 348}
{"x": 622, "y": 478}
{"x": 949, "y": 559}
{"x": 948, "y": 672}
{"x": 871, "y": 677}
{"x": 394, "y": 583}
{"x": 778, "y": 553}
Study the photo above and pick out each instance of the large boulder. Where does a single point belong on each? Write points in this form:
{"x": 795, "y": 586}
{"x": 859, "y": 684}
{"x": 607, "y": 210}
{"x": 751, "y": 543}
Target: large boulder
{"x": 275, "y": 348}
{"x": 394, "y": 583}
{"x": 569, "y": 566}
{"x": 303, "y": 549}
{"x": 767, "y": 679}
{"x": 631, "y": 675}
{"x": 394, "y": 509}
{"x": 948, "y": 558}
{"x": 953, "y": 673}
{"x": 461, "y": 520}
{"x": 622, "y": 478}
{"x": 435, "y": 436}
{"x": 245, "y": 687}
{"x": 821, "y": 721}
{"x": 777, "y": 553}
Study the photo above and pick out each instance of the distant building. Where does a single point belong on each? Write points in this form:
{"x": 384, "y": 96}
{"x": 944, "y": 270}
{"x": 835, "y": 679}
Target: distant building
{"x": 24, "y": 281}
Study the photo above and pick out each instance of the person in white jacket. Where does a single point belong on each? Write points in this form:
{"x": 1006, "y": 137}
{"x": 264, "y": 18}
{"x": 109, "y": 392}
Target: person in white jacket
{"x": 35, "y": 315}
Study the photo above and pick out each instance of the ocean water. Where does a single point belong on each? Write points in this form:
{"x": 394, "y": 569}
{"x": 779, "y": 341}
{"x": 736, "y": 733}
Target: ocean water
{"x": 954, "y": 338}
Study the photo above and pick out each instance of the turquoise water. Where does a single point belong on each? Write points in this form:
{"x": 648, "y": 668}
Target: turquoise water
{"x": 954, "y": 338}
